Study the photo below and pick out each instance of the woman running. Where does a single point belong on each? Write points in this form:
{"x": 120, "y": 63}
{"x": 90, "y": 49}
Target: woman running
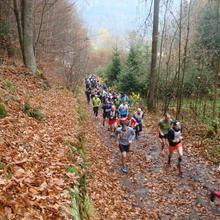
{"x": 113, "y": 119}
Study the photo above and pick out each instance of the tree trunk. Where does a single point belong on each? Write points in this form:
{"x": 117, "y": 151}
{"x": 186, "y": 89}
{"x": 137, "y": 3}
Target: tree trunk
{"x": 29, "y": 57}
{"x": 184, "y": 62}
{"x": 161, "y": 52}
{"x": 17, "y": 13}
{"x": 153, "y": 73}
{"x": 24, "y": 19}
{"x": 178, "y": 107}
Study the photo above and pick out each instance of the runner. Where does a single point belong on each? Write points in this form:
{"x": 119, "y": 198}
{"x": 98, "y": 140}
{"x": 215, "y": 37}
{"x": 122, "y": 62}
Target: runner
{"x": 164, "y": 126}
{"x": 132, "y": 122}
{"x": 117, "y": 102}
{"x": 124, "y": 137}
{"x": 113, "y": 119}
{"x": 139, "y": 115}
{"x": 123, "y": 109}
{"x": 175, "y": 143}
{"x": 107, "y": 105}
{"x": 88, "y": 94}
{"x": 96, "y": 102}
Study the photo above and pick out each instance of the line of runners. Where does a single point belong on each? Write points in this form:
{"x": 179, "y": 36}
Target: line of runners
{"x": 126, "y": 127}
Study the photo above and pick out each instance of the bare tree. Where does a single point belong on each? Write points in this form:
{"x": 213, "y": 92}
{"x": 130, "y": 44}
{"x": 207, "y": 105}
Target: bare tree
{"x": 153, "y": 73}
{"x": 23, "y": 10}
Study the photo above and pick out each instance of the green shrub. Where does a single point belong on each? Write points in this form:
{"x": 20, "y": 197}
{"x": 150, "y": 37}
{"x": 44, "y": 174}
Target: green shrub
{"x": 9, "y": 84}
{"x": 3, "y": 112}
{"x": 216, "y": 150}
{"x": 2, "y": 165}
{"x": 71, "y": 169}
{"x": 26, "y": 107}
{"x": 36, "y": 113}
{"x": 88, "y": 206}
{"x": 215, "y": 125}
{"x": 10, "y": 97}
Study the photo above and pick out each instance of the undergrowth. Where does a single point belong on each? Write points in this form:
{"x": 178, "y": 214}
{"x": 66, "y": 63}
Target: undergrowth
{"x": 32, "y": 112}
{"x": 82, "y": 206}
{"x": 3, "y": 112}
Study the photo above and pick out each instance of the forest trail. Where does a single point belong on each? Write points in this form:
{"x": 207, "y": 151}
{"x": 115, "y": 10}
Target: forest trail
{"x": 150, "y": 189}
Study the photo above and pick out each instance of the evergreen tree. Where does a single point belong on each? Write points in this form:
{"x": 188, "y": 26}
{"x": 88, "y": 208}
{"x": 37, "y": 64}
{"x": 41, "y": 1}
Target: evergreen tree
{"x": 209, "y": 30}
{"x": 133, "y": 77}
{"x": 128, "y": 79}
{"x": 114, "y": 69}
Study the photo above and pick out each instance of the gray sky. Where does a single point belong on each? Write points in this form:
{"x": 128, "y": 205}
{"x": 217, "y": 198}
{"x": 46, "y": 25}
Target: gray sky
{"x": 110, "y": 19}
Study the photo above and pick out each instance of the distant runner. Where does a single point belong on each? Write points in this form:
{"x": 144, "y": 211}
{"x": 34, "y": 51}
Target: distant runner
{"x": 132, "y": 121}
{"x": 164, "y": 126}
{"x": 113, "y": 119}
{"x": 124, "y": 136}
{"x": 139, "y": 115}
{"x": 96, "y": 102}
{"x": 107, "y": 105}
{"x": 88, "y": 94}
{"x": 123, "y": 109}
{"x": 175, "y": 143}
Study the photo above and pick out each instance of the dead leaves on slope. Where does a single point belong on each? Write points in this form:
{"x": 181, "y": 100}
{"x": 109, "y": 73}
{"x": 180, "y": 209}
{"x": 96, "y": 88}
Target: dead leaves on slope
{"x": 33, "y": 155}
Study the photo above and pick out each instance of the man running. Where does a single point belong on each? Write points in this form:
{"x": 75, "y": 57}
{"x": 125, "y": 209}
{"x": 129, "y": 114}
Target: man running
{"x": 107, "y": 105}
{"x": 124, "y": 137}
{"x": 139, "y": 115}
{"x": 96, "y": 102}
{"x": 123, "y": 109}
{"x": 164, "y": 126}
{"x": 175, "y": 143}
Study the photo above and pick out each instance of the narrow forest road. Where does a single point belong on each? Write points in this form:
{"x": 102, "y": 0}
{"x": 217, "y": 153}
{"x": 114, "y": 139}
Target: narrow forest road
{"x": 150, "y": 190}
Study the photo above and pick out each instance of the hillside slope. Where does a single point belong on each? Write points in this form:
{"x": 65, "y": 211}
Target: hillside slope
{"x": 34, "y": 155}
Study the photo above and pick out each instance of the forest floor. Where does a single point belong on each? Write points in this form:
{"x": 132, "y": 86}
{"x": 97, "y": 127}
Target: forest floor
{"x": 34, "y": 155}
{"x": 150, "y": 190}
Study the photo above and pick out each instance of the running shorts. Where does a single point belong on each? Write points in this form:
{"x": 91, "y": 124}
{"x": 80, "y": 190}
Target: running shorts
{"x": 106, "y": 114}
{"x": 162, "y": 136}
{"x": 124, "y": 148}
{"x": 112, "y": 121}
{"x": 173, "y": 148}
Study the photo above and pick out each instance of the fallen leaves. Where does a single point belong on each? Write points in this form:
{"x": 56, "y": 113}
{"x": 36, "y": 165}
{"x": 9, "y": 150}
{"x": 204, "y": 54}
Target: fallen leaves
{"x": 33, "y": 177}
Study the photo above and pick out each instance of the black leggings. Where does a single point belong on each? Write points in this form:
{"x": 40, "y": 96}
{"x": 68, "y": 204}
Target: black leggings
{"x": 138, "y": 129}
{"x": 88, "y": 97}
{"x": 96, "y": 111}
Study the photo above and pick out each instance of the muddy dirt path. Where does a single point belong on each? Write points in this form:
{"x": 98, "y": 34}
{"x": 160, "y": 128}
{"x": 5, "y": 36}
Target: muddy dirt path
{"x": 159, "y": 190}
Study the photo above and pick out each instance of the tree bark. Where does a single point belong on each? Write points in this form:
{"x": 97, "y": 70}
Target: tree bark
{"x": 153, "y": 73}
{"x": 29, "y": 57}
{"x": 178, "y": 107}
{"x": 161, "y": 51}
{"x": 184, "y": 62}
{"x": 24, "y": 19}
{"x": 17, "y": 13}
